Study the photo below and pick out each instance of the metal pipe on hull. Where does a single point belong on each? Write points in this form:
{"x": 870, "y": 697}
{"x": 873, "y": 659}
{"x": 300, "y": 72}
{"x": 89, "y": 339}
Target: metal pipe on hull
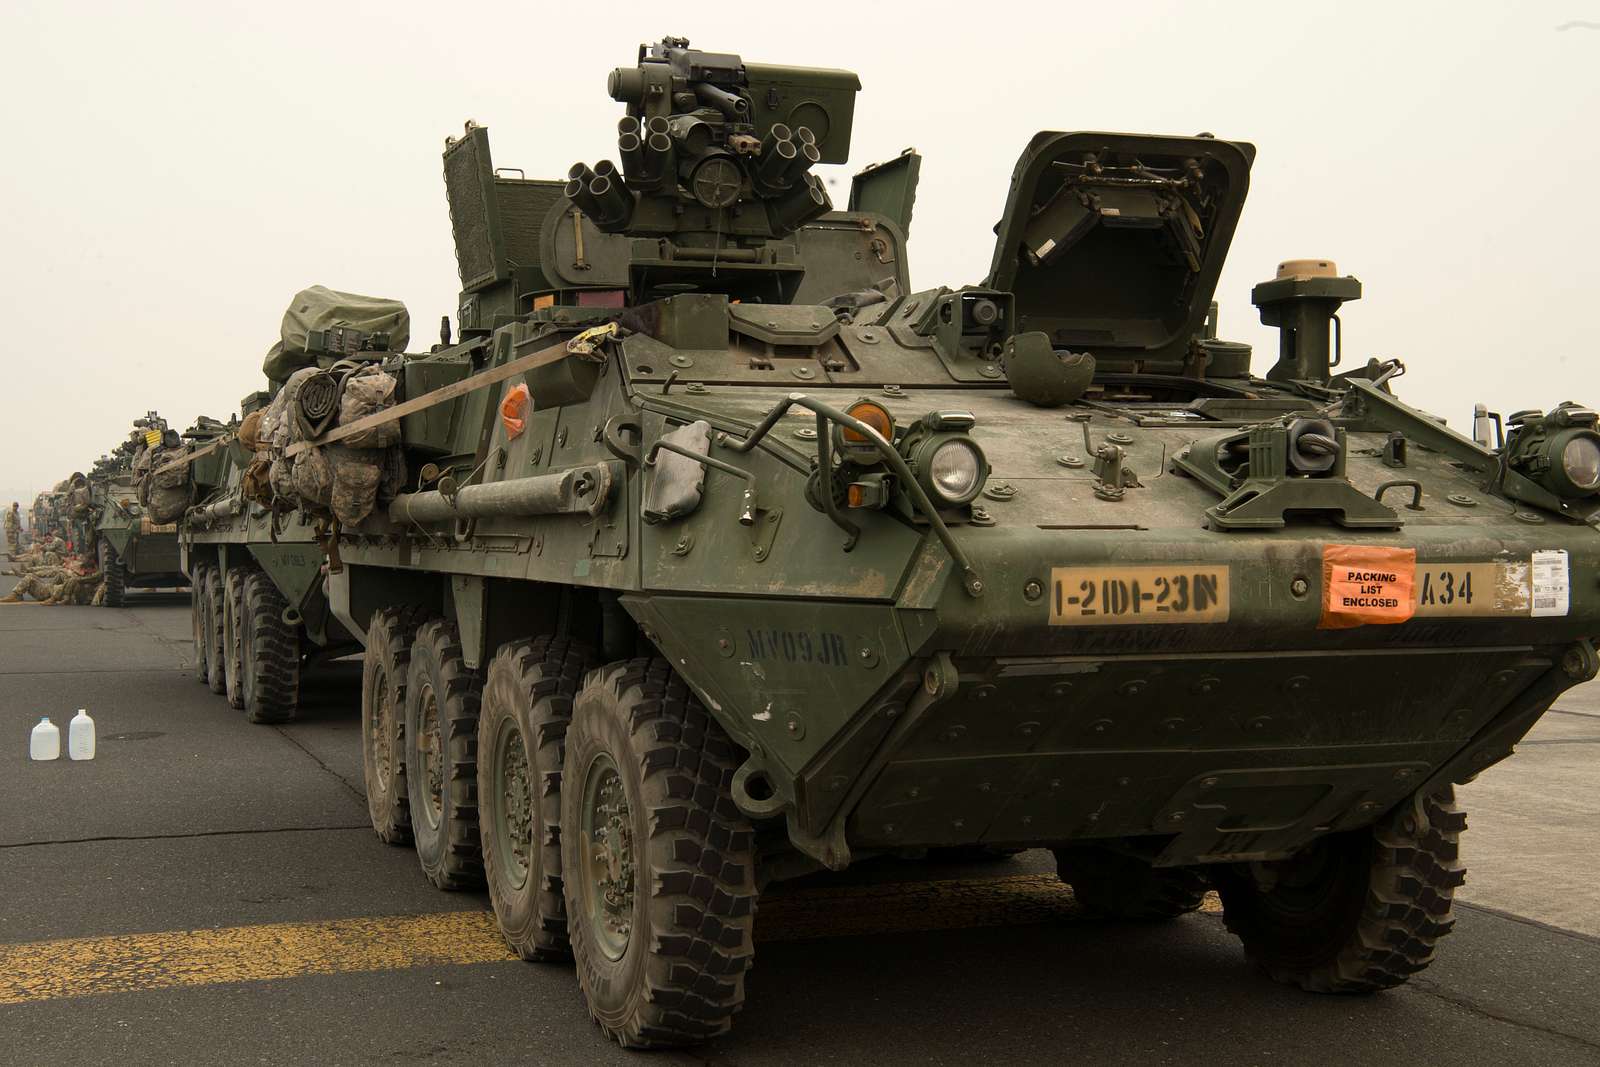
{"x": 580, "y": 490}
{"x": 216, "y": 511}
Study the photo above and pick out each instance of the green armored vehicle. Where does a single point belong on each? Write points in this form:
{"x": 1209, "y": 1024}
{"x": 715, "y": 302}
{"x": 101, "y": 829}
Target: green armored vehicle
{"x": 255, "y": 559}
{"x": 710, "y": 554}
{"x": 135, "y": 536}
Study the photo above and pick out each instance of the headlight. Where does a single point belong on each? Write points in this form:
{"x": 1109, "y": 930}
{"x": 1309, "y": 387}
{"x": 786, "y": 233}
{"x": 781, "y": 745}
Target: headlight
{"x": 1580, "y": 462}
{"x": 955, "y": 471}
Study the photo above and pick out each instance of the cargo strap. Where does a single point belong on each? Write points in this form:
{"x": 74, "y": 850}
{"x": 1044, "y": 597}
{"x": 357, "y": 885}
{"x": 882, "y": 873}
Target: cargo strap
{"x": 533, "y": 360}
{"x": 184, "y": 461}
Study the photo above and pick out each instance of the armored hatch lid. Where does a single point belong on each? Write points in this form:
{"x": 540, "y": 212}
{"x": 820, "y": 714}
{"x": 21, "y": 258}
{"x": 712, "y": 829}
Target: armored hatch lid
{"x": 783, "y": 324}
{"x": 1113, "y": 242}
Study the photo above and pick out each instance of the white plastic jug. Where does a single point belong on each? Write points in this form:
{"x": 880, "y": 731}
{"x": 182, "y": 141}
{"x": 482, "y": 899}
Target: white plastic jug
{"x": 80, "y": 736}
{"x": 45, "y": 742}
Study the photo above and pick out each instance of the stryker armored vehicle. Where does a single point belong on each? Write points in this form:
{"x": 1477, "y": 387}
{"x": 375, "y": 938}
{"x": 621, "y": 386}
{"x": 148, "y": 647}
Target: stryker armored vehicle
{"x": 253, "y": 571}
{"x": 259, "y": 607}
{"x": 136, "y": 550}
{"x": 258, "y": 566}
{"x": 721, "y": 556}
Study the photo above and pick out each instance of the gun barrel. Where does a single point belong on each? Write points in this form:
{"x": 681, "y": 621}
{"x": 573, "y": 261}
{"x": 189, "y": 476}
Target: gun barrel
{"x": 731, "y": 105}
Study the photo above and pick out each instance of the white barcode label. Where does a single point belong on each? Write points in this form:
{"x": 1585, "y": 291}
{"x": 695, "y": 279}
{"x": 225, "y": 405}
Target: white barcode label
{"x": 1549, "y": 579}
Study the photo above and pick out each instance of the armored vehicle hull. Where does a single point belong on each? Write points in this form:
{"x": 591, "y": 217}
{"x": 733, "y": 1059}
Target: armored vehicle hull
{"x": 133, "y": 551}
{"x": 711, "y": 554}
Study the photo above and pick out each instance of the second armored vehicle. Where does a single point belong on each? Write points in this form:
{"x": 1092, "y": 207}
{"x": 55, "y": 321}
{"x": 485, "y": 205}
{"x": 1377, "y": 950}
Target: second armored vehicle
{"x": 135, "y": 550}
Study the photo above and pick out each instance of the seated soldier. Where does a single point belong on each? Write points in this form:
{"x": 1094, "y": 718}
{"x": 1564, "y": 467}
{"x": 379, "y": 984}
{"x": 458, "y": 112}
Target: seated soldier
{"x": 41, "y": 583}
{"x": 79, "y": 587}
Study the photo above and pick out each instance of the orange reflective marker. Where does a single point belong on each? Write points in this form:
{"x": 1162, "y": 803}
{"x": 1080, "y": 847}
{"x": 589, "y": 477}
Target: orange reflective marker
{"x": 511, "y": 411}
{"x": 1366, "y": 584}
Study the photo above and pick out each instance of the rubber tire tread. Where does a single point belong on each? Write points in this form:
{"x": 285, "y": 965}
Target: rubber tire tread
{"x": 389, "y": 637}
{"x": 198, "y": 623}
{"x": 451, "y": 854}
{"x": 272, "y": 647}
{"x": 114, "y": 575}
{"x": 544, "y": 674}
{"x": 1116, "y": 886}
{"x": 696, "y": 877}
{"x": 216, "y": 680}
{"x": 232, "y": 642}
{"x": 1406, "y": 898}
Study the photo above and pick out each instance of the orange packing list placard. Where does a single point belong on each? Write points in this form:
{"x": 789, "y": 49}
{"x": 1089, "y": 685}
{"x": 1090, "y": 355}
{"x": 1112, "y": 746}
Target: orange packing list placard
{"x": 512, "y": 410}
{"x": 1366, "y": 584}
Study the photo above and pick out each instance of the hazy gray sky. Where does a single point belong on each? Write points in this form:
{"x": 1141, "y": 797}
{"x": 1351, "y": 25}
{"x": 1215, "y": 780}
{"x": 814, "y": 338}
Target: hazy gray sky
{"x": 174, "y": 172}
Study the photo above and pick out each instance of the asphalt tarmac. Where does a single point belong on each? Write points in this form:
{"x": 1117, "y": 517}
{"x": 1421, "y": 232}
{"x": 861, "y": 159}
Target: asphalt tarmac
{"x": 207, "y": 891}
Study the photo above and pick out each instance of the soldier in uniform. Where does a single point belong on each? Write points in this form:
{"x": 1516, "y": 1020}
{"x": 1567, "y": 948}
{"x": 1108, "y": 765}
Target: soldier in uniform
{"x": 42, "y": 583}
{"x": 79, "y": 587}
{"x": 13, "y": 529}
{"x": 47, "y": 551}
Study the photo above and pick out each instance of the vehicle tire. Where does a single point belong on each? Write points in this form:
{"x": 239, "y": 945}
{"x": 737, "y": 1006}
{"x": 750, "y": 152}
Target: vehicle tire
{"x": 209, "y": 585}
{"x": 232, "y": 631}
{"x": 527, "y": 704}
{"x": 441, "y": 747}
{"x": 384, "y": 666}
{"x": 1124, "y": 887}
{"x": 113, "y": 574}
{"x": 270, "y": 653}
{"x": 1358, "y": 911}
{"x": 658, "y": 865}
{"x": 198, "y": 606}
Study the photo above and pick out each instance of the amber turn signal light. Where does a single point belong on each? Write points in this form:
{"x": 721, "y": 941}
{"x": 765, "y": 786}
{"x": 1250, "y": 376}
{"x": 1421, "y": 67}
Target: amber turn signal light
{"x": 874, "y": 415}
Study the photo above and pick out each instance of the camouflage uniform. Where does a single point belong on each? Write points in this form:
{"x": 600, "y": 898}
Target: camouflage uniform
{"x": 46, "y": 553}
{"x": 41, "y": 583}
{"x": 78, "y": 589}
{"x": 13, "y": 530}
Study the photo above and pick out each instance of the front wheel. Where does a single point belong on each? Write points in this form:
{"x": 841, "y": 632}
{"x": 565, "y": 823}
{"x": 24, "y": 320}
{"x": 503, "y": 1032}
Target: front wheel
{"x": 232, "y": 635}
{"x": 208, "y": 585}
{"x": 657, "y": 864}
{"x": 198, "y": 606}
{"x": 270, "y": 653}
{"x": 113, "y": 575}
{"x": 1355, "y": 912}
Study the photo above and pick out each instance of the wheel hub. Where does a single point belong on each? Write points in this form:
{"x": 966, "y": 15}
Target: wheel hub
{"x": 432, "y": 752}
{"x": 608, "y": 856}
{"x": 382, "y": 728}
{"x": 516, "y": 805}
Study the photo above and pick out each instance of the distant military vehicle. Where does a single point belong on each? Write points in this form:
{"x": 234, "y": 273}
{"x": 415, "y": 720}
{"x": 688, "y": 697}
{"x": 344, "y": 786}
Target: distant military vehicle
{"x": 136, "y": 550}
{"x": 717, "y": 555}
{"x": 259, "y": 609}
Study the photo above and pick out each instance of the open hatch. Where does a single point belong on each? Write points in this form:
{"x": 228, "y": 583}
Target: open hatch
{"x": 1112, "y": 243}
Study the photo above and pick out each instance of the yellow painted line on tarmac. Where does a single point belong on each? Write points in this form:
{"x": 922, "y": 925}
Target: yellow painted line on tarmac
{"x": 78, "y": 967}
{"x": 47, "y": 970}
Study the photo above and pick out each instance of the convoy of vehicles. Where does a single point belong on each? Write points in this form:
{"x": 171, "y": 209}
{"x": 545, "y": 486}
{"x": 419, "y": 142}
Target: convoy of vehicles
{"x": 711, "y": 553}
